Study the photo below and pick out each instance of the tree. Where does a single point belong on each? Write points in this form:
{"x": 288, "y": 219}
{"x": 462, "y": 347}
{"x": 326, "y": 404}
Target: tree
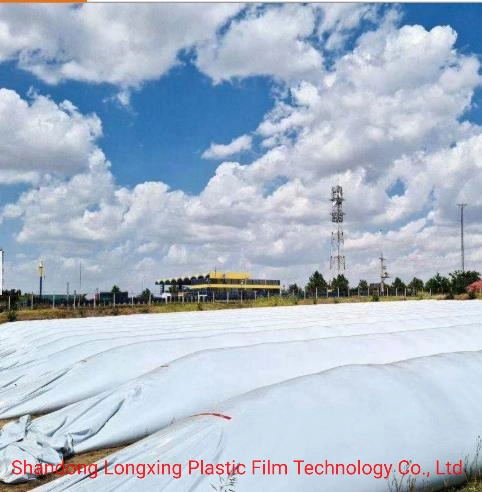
{"x": 294, "y": 289}
{"x": 146, "y": 295}
{"x": 115, "y": 289}
{"x": 316, "y": 283}
{"x": 363, "y": 285}
{"x": 173, "y": 289}
{"x": 459, "y": 280}
{"x": 416, "y": 284}
{"x": 398, "y": 284}
{"x": 340, "y": 282}
{"x": 438, "y": 284}
{"x": 14, "y": 295}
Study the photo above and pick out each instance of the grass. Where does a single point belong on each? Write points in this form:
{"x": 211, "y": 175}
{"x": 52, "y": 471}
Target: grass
{"x": 473, "y": 486}
{"x": 27, "y": 314}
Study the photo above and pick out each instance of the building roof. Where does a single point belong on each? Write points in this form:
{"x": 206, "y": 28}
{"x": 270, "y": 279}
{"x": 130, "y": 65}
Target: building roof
{"x": 475, "y": 286}
{"x": 230, "y": 275}
{"x": 211, "y": 275}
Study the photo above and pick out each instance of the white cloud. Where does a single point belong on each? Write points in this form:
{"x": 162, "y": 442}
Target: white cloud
{"x": 220, "y": 151}
{"x": 372, "y": 120}
{"x": 39, "y": 136}
{"x": 375, "y": 106}
{"x": 277, "y": 41}
{"x": 267, "y": 41}
{"x": 339, "y": 19}
{"x": 118, "y": 44}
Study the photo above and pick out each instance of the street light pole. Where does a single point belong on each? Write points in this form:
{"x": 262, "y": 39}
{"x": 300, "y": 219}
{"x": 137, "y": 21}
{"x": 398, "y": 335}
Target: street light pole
{"x": 41, "y": 270}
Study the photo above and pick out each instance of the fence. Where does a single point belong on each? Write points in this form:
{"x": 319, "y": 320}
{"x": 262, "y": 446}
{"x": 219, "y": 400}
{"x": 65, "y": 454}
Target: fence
{"x": 93, "y": 300}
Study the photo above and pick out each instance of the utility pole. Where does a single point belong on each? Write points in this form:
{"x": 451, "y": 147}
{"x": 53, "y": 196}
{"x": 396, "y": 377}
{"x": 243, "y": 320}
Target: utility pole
{"x": 383, "y": 273}
{"x": 383, "y": 269}
{"x": 462, "y": 251}
{"x": 2, "y": 255}
{"x": 41, "y": 271}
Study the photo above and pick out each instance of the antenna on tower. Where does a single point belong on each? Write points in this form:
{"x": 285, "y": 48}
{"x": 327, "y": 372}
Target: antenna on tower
{"x": 462, "y": 249}
{"x": 337, "y": 238}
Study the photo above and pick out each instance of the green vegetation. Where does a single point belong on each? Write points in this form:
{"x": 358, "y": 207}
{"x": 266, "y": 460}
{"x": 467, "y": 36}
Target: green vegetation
{"x": 294, "y": 290}
{"x": 472, "y": 486}
{"x": 363, "y": 285}
{"x": 416, "y": 285}
{"x": 172, "y": 307}
{"x": 146, "y": 296}
{"x": 438, "y": 284}
{"x": 316, "y": 284}
{"x": 340, "y": 283}
{"x": 398, "y": 284}
{"x": 459, "y": 280}
{"x": 16, "y": 306}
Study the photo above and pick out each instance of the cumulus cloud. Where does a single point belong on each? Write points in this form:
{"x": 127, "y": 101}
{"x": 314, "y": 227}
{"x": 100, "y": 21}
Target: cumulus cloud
{"x": 338, "y": 20}
{"x": 118, "y": 44}
{"x": 278, "y": 41}
{"x": 368, "y": 110}
{"x": 267, "y": 41}
{"x": 127, "y": 46}
{"x": 371, "y": 120}
{"x": 220, "y": 151}
{"x": 39, "y": 136}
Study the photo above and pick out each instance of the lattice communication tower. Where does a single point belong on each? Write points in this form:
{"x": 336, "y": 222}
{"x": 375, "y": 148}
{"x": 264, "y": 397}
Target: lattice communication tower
{"x": 337, "y": 258}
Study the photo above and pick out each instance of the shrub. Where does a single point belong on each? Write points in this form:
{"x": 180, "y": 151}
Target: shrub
{"x": 449, "y": 296}
{"x": 199, "y": 306}
{"x": 472, "y": 295}
{"x": 375, "y": 298}
{"x": 12, "y": 315}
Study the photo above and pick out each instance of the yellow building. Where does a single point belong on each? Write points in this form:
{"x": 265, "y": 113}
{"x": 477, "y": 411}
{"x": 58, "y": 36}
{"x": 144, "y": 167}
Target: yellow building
{"x": 221, "y": 286}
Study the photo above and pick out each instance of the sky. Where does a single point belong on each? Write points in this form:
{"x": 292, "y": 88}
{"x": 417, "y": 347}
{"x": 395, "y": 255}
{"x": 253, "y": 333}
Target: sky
{"x": 145, "y": 141}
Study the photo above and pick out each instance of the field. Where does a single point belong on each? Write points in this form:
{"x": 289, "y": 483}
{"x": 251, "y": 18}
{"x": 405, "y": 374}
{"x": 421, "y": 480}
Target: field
{"x": 26, "y": 314}
{"x": 242, "y": 383}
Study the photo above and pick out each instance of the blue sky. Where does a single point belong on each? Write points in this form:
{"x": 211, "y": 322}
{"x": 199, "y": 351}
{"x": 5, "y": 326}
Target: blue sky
{"x": 172, "y": 120}
{"x": 197, "y": 98}
{"x": 170, "y": 123}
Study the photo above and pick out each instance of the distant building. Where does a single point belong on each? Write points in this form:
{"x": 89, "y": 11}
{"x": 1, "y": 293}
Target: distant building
{"x": 108, "y": 297}
{"x": 220, "y": 286}
{"x": 475, "y": 286}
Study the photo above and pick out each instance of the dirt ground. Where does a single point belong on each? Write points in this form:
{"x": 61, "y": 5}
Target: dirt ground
{"x": 84, "y": 458}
